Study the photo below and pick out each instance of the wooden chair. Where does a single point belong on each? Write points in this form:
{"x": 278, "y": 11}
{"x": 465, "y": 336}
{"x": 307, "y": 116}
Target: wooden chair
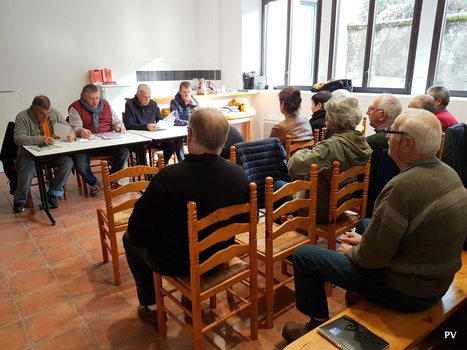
{"x": 323, "y": 134}
{"x": 277, "y": 242}
{"x": 364, "y": 120}
{"x": 119, "y": 204}
{"x": 94, "y": 163}
{"x": 291, "y": 148}
{"x": 347, "y": 202}
{"x": 439, "y": 154}
{"x": 219, "y": 273}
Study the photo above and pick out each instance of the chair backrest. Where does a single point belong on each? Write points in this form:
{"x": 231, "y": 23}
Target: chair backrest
{"x": 439, "y": 154}
{"x": 127, "y": 194}
{"x": 323, "y": 134}
{"x": 234, "y": 216}
{"x": 260, "y": 159}
{"x": 349, "y": 190}
{"x": 292, "y": 147}
{"x": 364, "y": 120}
{"x": 305, "y": 223}
{"x": 455, "y": 150}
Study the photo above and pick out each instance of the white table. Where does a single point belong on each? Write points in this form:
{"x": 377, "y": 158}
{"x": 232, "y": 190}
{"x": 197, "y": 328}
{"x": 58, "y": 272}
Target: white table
{"x": 41, "y": 155}
{"x": 172, "y": 133}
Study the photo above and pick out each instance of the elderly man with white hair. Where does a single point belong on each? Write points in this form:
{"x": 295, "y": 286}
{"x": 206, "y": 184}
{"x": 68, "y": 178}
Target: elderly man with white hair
{"x": 346, "y": 145}
{"x": 382, "y": 112}
{"x": 408, "y": 255}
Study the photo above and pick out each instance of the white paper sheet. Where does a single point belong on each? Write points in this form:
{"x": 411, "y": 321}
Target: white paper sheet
{"x": 62, "y": 131}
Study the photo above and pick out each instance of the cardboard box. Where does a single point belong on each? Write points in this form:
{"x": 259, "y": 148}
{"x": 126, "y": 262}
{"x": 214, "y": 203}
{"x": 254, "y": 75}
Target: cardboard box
{"x": 106, "y": 76}
{"x": 95, "y": 75}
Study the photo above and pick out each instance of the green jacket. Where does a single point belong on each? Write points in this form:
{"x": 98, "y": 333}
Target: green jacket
{"x": 348, "y": 147}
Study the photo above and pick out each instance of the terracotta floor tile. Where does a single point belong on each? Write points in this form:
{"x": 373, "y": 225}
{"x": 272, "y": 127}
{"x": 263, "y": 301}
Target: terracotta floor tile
{"x": 40, "y": 299}
{"x": 72, "y": 267}
{"x": 13, "y": 236}
{"x": 4, "y": 290}
{"x": 8, "y": 312}
{"x": 17, "y": 250}
{"x": 44, "y": 229}
{"x": 23, "y": 264}
{"x": 13, "y": 337}
{"x": 85, "y": 232}
{"x": 59, "y": 254}
{"x": 52, "y": 322}
{"x": 83, "y": 284}
{"x": 77, "y": 339}
{"x": 56, "y": 240}
{"x": 93, "y": 306}
{"x": 30, "y": 280}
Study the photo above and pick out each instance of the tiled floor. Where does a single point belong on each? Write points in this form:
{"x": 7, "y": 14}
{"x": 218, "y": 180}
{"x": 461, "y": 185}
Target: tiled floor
{"x": 55, "y": 293}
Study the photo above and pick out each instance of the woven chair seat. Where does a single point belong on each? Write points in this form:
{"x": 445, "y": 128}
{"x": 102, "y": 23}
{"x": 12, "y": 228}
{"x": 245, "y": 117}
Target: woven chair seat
{"x": 218, "y": 274}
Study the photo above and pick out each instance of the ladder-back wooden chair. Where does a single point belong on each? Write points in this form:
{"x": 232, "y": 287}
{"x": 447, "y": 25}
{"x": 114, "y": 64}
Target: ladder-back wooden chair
{"x": 347, "y": 202}
{"x": 278, "y": 241}
{"x": 292, "y": 147}
{"x": 119, "y": 202}
{"x": 439, "y": 154}
{"x": 221, "y": 272}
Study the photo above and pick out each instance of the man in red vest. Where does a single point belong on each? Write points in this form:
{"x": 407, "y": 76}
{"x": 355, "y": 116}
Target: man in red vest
{"x": 92, "y": 115}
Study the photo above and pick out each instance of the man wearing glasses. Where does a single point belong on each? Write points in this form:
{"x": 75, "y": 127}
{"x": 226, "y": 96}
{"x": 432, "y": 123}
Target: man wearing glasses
{"x": 408, "y": 255}
{"x": 381, "y": 112}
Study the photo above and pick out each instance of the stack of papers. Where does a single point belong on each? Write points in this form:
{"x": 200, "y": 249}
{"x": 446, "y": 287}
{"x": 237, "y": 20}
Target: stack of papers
{"x": 167, "y": 122}
{"x": 112, "y": 135}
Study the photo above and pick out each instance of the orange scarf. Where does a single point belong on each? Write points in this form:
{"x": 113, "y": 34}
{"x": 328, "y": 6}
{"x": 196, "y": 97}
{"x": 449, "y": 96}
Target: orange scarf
{"x": 46, "y": 128}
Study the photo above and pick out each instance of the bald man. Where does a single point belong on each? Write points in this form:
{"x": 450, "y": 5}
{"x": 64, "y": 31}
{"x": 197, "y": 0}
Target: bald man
{"x": 426, "y": 102}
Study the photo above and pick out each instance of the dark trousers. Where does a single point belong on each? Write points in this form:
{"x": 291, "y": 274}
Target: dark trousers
{"x": 314, "y": 265}
{"x": 141, "y": 267}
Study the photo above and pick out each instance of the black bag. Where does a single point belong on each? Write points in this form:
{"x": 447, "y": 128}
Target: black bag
{"x": 335, "y": 85}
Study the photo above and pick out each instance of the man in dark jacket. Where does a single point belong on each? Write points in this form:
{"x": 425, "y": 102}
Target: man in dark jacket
{"x": 142, "y": 113}
{"x": 184, "y": 103}
{"x": 157, "y": 236}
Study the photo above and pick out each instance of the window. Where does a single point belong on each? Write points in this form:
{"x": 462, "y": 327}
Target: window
{"x": 290, "y": 41}
{"x": 449, "y": 48}
{"x": 375, "y": 44}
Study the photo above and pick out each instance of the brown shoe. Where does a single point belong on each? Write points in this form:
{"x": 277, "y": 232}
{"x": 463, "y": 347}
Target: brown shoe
{"x": 147, "y": 315}
{"x": 351, "y": 298}
{"x": 294, "y": 330}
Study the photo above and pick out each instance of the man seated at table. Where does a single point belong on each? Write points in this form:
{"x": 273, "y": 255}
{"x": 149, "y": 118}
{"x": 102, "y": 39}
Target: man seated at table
{"x": 35, "y": 126}
{"x": 442, "y": 98}
{"x": 184, "y": 104}
{"x": 157, "y": 236}
{"x": 92, "y": 115}
{"x": 142, "y": 113}
{"x": 408, "y": 255}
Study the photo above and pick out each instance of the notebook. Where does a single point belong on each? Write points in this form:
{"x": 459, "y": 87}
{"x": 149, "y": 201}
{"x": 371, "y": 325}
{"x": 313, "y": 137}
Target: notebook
{"x": 348, "y": 334}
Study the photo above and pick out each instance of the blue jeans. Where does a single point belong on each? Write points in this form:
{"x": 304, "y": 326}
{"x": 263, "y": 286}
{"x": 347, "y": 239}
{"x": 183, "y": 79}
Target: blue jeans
{"x": 314, "y": 265}
{"x": 27, "y": 170}
{"x": 119, "y": 160}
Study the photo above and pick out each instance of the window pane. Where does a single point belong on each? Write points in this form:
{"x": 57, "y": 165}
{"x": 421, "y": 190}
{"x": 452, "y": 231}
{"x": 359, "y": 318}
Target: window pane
{"x": 452, "y": 69}
{"x": 304, "y": 14}
{"x": 391, "y": 42}
{"x": 350, "y": 40}
{"x": 276, "y": 36}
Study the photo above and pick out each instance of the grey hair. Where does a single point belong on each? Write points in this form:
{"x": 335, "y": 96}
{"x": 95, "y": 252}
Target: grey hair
{"x": 440, "y": 92}
{"x": 344, "y": 112}
{"x": 423, "y": 127}
{"x": 143, "y": 87}
{"x": 210, "y": 128}
{"x": 391, "y": 105}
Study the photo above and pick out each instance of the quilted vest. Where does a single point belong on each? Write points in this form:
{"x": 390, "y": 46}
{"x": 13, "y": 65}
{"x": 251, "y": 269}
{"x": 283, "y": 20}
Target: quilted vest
{"x": 105, "y": 117}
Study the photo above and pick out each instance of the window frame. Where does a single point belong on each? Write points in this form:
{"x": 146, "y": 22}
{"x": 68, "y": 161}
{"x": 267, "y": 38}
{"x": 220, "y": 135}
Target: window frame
{"x": 368, "y": 49}
{"x": 288, "y": 52}
{"x": 438, "y": 29}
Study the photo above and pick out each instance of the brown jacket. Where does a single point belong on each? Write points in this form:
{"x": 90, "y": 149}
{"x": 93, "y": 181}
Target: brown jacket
{"x": 297, "y": 127}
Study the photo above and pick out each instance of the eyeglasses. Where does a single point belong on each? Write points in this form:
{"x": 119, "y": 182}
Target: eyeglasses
{"x": 395, "y": 132}
{"x": 371, "y": 109}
